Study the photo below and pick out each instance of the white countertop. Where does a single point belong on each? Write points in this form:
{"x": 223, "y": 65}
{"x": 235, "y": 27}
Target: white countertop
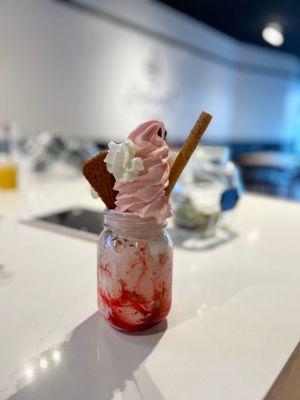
{"x": 233, "y": 324}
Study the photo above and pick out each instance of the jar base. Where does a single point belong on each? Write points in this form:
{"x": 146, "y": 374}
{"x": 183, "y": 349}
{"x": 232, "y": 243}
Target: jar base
{"x": 127, "y": 328}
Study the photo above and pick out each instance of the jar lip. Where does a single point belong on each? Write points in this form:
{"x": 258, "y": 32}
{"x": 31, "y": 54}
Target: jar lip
{"x": 119, "y": 216}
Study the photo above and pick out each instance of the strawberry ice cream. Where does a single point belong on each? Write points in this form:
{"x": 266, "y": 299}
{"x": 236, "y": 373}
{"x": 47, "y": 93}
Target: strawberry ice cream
{"x": 141, "y": 169}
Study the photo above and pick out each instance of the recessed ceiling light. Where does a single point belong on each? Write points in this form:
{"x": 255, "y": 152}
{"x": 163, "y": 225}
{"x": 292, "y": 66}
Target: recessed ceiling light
{"x": 272, "y": 34}
{"x": 29, "y": 373}
{"x": 56, "y": 356}
{"x": 43, "y": 363}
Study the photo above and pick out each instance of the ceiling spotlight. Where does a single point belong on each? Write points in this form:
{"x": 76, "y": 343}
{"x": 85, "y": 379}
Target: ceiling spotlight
{"x": 56, "y": 356}
{"x": 43, "y": 363}
{"x": 272, "y": 34}
{"x": 29, "y": 373}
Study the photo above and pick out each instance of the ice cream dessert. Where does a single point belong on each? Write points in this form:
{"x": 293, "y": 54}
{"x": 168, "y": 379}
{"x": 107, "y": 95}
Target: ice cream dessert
{"x": 135, "y": 269}
{"x": 135, "y": 255}
{"x": 141, "y": 169}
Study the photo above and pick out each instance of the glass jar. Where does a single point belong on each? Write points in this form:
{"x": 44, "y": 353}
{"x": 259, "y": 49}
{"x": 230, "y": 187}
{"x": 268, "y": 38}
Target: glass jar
{"x": 134, "y": 271}
{"x": 208, "y": 191}
{"x": 8, "y": 167}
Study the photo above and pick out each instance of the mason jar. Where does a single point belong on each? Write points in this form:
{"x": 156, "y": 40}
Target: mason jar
{"x": 134, "y": 271}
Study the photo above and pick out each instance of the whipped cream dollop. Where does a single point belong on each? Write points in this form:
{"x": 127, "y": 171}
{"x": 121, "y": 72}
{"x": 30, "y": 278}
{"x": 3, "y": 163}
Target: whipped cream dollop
{"x": 144, "y": 195}
{"x": 122, "y": 162}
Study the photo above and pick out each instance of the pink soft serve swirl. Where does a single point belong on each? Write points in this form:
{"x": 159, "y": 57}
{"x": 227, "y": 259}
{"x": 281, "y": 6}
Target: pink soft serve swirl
{"x": 145, "y": 196}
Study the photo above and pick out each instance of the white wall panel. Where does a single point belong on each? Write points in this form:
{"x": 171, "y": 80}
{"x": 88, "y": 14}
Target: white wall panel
{"x": 99, "y": 75}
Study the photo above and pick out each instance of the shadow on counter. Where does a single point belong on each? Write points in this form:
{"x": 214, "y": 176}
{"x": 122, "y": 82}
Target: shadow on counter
{"x": 97, "y": 362}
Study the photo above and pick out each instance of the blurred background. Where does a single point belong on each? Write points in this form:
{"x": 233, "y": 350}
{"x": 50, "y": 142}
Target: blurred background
{"x": 75, "y": 74}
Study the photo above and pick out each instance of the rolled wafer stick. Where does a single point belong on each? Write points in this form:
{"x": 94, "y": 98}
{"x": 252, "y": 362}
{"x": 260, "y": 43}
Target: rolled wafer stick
{"x": 188, "y": 149}
{"x": 100, "y": 179}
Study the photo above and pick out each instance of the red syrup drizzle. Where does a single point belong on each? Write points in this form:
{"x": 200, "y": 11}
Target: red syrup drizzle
{"x": 151, "y": 312}
{"x": 137, "y": 302}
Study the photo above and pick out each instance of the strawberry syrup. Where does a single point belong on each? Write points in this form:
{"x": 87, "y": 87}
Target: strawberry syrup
{"x": 136, "y": 296}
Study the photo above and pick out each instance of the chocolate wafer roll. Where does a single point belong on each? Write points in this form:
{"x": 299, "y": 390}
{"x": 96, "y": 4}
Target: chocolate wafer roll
{"x": 188, "y": 149}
